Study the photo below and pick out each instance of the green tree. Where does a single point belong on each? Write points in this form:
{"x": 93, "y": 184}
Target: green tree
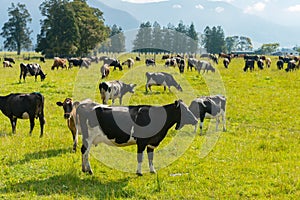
{"x": 244, "y": 44}
{"x": 180, "y": 39}
{"x": 117, "y": 39}
{"x": 142, "y": 42}
{"x": 269, "y": 48}
{"x": 214, "y": 39}
{"x": 231, "y": 43}
{"x": 157, "y": 38}
{"x": 192, "y": 39}
{"x": 15, "y": 31}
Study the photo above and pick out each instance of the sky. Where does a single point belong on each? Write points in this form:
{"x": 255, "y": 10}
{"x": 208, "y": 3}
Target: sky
{"x": 277, "y": 11}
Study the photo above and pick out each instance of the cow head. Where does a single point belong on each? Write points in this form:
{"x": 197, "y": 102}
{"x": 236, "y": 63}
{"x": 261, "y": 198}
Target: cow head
{"x": 178, "y": 87}
{"x": 186, "y": 116}
{"x": 67, "y": 106}
{"x": 130, "y": 87}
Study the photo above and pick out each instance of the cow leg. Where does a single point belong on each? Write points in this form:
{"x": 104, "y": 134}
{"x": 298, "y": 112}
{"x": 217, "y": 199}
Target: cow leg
{"x": 217, "y": 122}
{"x": 150, "y": 153}
{"x": 13, "y": 122}
{"x": 42, "y": 123}
{"x": 165, "y": 88}
{"x": 140, "y": 150}
{"x": 35, "y": 76}
{"x": 224, "y": 121}
{"x": 201, "y": 123}
{"x": 75, "y": 139}
{"x": 86, "y": 167}
{"x": 31, "y": 119}
{"x": 120, "y": 100}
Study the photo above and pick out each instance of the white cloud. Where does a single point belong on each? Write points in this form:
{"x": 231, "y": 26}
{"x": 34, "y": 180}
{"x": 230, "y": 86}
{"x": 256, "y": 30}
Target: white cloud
{"x": 219, "y": 9}
{"x": 227, "y": 1}
{"x": 144, "y": 1}
{"x": 295, "y": 8}
{"x": 257, "y": 7}
{"x": 199, "y": 6}
{"x": 176, "y": 6}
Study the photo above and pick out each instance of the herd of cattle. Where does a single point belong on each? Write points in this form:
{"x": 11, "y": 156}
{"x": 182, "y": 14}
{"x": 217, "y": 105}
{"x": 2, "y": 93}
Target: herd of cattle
{"x": 143, "y": 125}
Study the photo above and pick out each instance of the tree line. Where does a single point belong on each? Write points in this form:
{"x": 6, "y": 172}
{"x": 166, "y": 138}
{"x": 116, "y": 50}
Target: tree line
{"x": 73, "y": 28}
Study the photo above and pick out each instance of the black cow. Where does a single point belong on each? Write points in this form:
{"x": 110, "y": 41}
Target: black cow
{"x": 192, "y": 63}
{"x": 249, "y": 63}
{"x": 150, "y": 61}
{"x": 260, "y": 64}
{"x": 79, "y": 62}
{"x": 112, "y": 62}
{"x": 114, "y": 89}
{"x": 42, "y": 59}
{"x": 23, "y": 106}
{"x": 10, "y": 60}
{"x": 280, "y": 64}
{"x": 161, "y": 78}
{"x": 209, "y": 107}
{"x": 143, "y": 125}
{"x": 291, "y": 66}
{"x": 181, "y": 65}
{"x": 137, "y": 58}
{"x": 31, "y": 70}
{"x": 251, "y": 57}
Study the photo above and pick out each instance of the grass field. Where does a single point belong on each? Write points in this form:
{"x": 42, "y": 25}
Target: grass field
{"x": 257, "y": 158}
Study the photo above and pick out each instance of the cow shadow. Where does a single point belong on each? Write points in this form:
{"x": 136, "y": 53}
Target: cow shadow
{"x": 73, "y": 186}
{"x": 41, "y": 155}
{"x": 157, "y": 92}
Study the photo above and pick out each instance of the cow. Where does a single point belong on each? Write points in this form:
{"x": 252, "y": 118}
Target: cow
{"x": 143, "y": 125}
{"x": 213, "y": 57}
{"x": 23, "y": 106}
{"x": 224, "y": 55}
{"x": 114, "y": 89}
{"x": 104, "y": 70}
{"x": 31, "y": 70}
{"x": 42, "y": 59}
{"x": 59, "y": 62}
{"x": 166, "y": 56}
{"x": 291, "y": 66}
{"x": 7, "y": 64}
{"x": 161, "y": 78}
{"x": 170, "y": 62}
{"x": 70, "y": 115}
{"x": 280, "y": 64}
{"x": 209, "y": 107}
{"x": 112, "y": 62}
{"x": 251, "y": 57}
{"x": 249, "y": 63}
{"x": 226, "y": 62}
{"x": 137, "y": 58}
{"x": 150, "y": 61}
{"x": 181, "y": 65}
{"x": 80, "y": 62}
{"x": 129, "y": 62}
{"x": 260, "y": 64}
{"x": 268, "y": 62}
{"x": 10, "y": 60}
{"x": 205, "y": 66}
{"x": 192, "y": 63}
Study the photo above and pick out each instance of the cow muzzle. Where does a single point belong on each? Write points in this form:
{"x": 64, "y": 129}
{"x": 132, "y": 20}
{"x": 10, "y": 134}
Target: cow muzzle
{"x": 67, "y": 115}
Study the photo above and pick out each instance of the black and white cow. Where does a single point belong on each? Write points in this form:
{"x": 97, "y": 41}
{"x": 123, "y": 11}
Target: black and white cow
{"x": 192, "y": 63}
{"x": 181, "y": 65}
{"x": 10, "y": 60}
{"x": 7, "y": 64}
{"x": 104, "y": 70}
{"x": 249, "y": 63}
{"x": 291, "y": 66}
{"x": 260, "y": 64}
{"x": 205, "y": 66}
{"x": 70, "y": 115}
{"x": 280, "y": 64}
{"x": 129, "y": 62}
{"x": 80, "y": 62}
{"x": 112, "y": 62}
{"x": 114, "y": 89}
{"x": 150, "y": 61}
{"x": 209, "y": 107}
{"x": 161, "y": 78}
{"x": 143, "y": 125}
{"x": 23, "y": 106}
{"x": 31, "y": 70}
{"x": 226, "y": 62}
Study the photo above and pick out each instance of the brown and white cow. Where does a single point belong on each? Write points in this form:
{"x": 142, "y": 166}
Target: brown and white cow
{"x": 59, "y": 62}
{"x": 69, "y": 114}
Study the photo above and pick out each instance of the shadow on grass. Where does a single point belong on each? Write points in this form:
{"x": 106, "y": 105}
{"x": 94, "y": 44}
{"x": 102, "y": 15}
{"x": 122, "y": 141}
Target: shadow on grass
{"x": 41, "y": 155}
{"x": 73, "y": 186}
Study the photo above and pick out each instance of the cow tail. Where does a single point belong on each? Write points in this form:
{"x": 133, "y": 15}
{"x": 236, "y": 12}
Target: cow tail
{"x": 39, "y": 105}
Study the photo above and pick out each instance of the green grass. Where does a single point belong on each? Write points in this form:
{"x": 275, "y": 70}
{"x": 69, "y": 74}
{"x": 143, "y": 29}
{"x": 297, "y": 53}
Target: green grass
{"x": 257, "y": 158}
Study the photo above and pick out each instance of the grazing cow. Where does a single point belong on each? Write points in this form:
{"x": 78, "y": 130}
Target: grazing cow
{"x": 291, "y": 66}
{"x": 104, "y": 70}
{"x": 161, "y": 78}
{"x": 129, "y": 62}
{"x": 170, "y": 62}
{"x": 143, "y": 125}
{"x": 268, "y": 62}
{"x": 150, "y": 61}
{"x": 181, "y": 65}
{"x": 205, "y": 66}
{"x": 192, "y": 62}
{"x": 42, "y": 59}
{"x": 224, "y": 55}
{"x": 164, "y": 57}
{"x": 209, "y": 107}
{"x": 114, "y": 89}
{"x": 286, "y": 59}
{"x": 137, "y": 58}
{"x": 70, "y": 114}
{"x": 112, "y": 62}
{"x": 226, "y": 62}
{"x": 280, "y": 64}
{"x": 81, "y": 62}
{"x": 23, "y": 106}
{"x": 31, "y": 70}
{"x": 7, "y": 64}
{"x": 213, "y": 57}
{"x": 260, "y": 64}
{"x": 59, "y": 62}
{"x": 249, "y": 63}
{"x": 10, "y": 60}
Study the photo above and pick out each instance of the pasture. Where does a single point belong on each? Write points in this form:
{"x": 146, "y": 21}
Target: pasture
{"x": 257, "y": 158}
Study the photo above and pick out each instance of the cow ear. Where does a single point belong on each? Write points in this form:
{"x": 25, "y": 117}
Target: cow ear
{"x": 176, "y": 104}
{"x": 59, "y": 103}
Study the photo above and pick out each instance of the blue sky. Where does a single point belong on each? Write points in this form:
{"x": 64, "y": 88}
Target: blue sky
{"x": 278, "y": 11}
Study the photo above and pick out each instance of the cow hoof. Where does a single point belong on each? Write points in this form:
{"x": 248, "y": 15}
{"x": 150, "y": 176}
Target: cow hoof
{"x": 139, "y": 174}
{"x": 90, "y": 172}
{"x": 153, "y": 172}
